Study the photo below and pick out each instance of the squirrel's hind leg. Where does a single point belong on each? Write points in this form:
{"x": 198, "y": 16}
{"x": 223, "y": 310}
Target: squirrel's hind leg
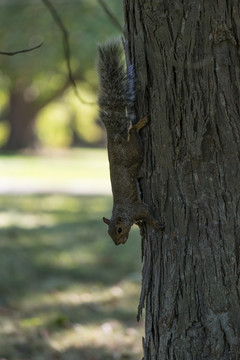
{"x": 144, "y": 213}
{"x": 141, "y": 123}
{"x": 134, "y": 129}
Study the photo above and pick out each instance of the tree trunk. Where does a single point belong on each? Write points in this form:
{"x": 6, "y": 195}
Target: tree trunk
{"x": 21, "y": 117}
{"x": 186, "y": 56}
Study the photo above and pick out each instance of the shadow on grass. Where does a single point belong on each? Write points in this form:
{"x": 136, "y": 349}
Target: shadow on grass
{"x": 72, "y": 353}
{"x": 66, "y": 253}
{"x": 59, "y": 269}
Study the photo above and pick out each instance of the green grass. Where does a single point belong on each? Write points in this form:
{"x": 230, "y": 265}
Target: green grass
{"x": 66, "y": 291}
{"x": 79, "y": 163}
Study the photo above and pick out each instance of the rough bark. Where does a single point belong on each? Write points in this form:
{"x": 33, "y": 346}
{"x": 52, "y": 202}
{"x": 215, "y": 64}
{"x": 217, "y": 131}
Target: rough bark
{"x": 187, "y": 62}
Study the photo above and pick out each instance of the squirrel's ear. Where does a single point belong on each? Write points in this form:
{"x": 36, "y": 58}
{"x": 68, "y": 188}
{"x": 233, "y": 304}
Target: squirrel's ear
{"x": 106, "y": 221}
{"x": 118, "y": 219}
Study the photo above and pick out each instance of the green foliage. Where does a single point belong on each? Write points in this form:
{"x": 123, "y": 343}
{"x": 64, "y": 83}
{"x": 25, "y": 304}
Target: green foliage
{"x": 85, "y": 115}
{"x": 56, "y": 122}
{"x": 67, "y": 292}
{"x": 4, "y": 132}
{"x": 41, "y": 73}
{"x": 53, "y": 127}
{"x": 4, "y": 126}
{"x": 25, "y": 24}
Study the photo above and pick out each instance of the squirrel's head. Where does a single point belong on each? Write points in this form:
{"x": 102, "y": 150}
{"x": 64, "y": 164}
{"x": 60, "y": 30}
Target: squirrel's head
{"x": 118, "y": 229}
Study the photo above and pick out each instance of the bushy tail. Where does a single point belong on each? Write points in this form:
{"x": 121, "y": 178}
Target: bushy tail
{"x": 116, "y": 90}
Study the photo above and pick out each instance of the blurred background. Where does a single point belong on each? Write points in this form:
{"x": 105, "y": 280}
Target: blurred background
{"x": 66, "y": 291}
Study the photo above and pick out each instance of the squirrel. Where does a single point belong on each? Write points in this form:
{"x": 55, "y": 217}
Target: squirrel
{"x": 116, "y": 111}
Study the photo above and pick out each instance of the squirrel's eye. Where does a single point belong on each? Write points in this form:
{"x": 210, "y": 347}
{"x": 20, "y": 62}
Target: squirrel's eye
{"x": 119, "y": 230}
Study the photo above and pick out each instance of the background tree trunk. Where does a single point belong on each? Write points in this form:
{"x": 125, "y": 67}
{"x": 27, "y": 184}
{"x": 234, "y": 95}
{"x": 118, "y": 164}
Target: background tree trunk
{"x": 186, "y": 56}
{"x": 21, "y": 118}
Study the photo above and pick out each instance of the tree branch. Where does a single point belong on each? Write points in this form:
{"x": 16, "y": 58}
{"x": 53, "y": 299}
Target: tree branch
{"x": 111, "y": 15}
{"x": 66, "y": 47}
{"x": 43, "y": 102}
{"x": 20, "y": 51}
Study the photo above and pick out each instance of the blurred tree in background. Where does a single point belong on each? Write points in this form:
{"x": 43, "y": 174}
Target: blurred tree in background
{"x": 37, "y": 102}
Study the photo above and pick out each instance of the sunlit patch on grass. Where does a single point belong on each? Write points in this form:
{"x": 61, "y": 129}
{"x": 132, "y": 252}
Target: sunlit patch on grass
{"x": 72, "y": 164}
{"x": 32, "y": 322}
{"x": 7, "y": 326}
{"x": 68, "y": 260}
{"x": 25, "y": 221}
{"x": 113, "y": 335}
{"x": 100, "y": 298}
